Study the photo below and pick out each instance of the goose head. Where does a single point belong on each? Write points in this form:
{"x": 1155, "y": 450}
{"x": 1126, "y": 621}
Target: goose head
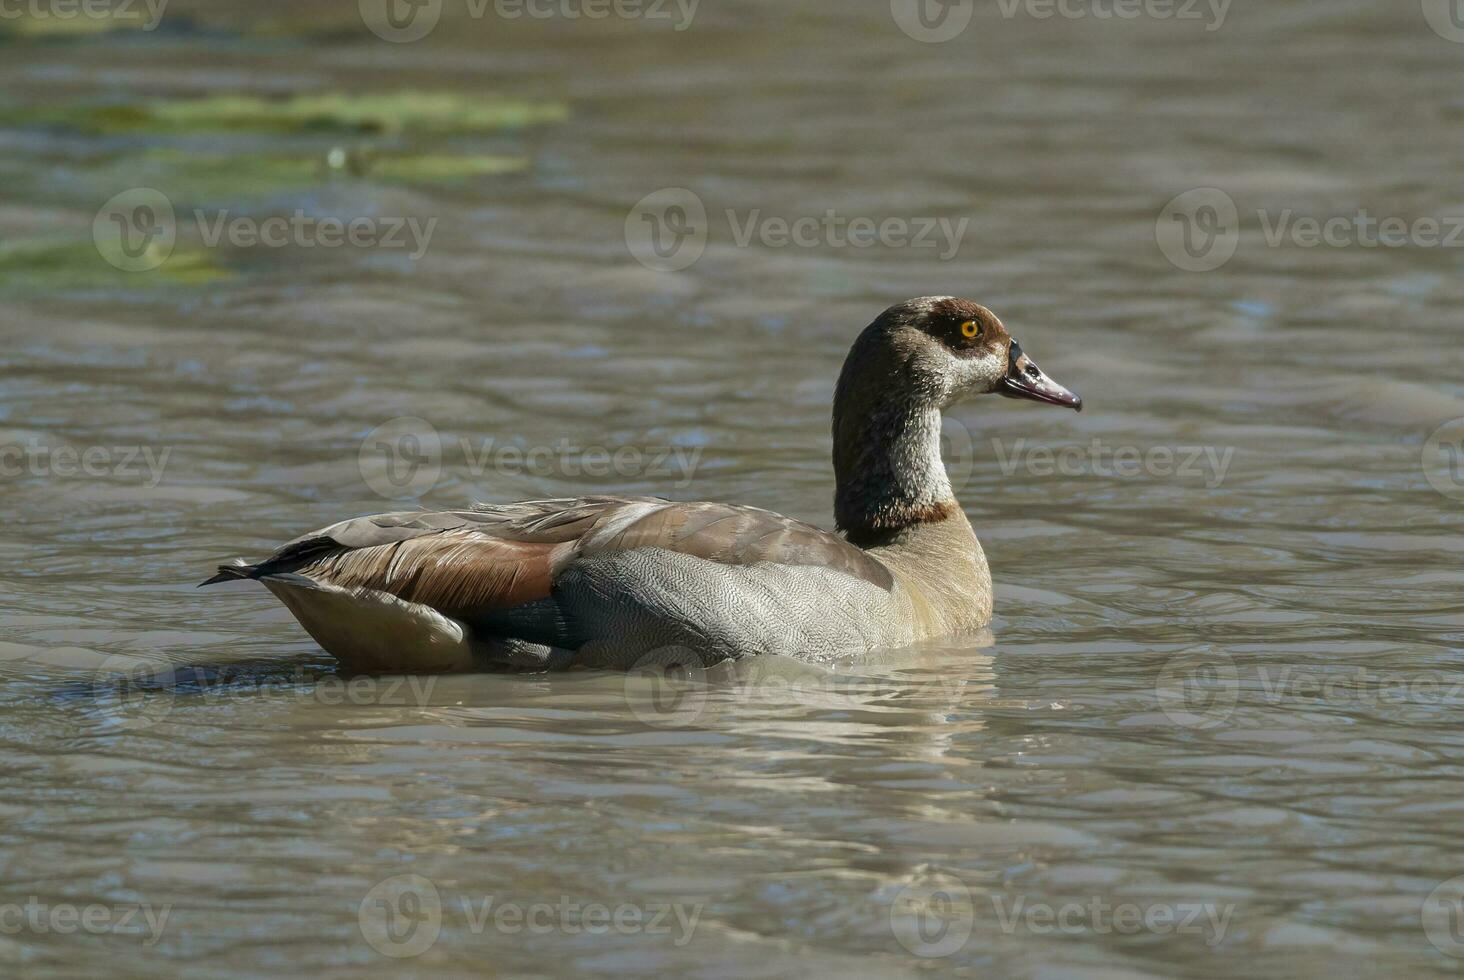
{"x": 943, "y": 350}
{"x": 914, "y": 360}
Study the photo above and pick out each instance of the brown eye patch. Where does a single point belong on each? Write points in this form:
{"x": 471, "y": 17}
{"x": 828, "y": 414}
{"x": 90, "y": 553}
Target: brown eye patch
{"x": 964, "y": 327}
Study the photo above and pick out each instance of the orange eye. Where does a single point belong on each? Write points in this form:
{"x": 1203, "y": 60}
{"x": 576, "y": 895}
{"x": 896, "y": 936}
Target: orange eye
{"x": 970, "y": 328}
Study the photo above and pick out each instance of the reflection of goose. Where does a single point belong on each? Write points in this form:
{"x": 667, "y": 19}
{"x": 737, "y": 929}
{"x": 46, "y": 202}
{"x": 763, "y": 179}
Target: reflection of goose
{"x": 907, "y": 696}
{"x": 610, "y": 580}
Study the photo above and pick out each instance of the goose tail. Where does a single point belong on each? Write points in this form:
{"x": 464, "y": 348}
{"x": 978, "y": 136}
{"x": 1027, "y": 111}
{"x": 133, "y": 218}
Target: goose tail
{"x": 237, "y": 569}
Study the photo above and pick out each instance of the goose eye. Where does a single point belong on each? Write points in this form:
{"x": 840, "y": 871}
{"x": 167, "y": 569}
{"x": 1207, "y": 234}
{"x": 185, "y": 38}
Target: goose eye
{"x": 970, "y": 328}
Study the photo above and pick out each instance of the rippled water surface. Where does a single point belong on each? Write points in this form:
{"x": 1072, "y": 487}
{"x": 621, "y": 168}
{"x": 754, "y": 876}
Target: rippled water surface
{"x": 1214, "y": 728}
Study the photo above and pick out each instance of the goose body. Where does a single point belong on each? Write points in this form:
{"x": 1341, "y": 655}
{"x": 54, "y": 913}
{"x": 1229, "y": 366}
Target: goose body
{"x": 617, "y": 581}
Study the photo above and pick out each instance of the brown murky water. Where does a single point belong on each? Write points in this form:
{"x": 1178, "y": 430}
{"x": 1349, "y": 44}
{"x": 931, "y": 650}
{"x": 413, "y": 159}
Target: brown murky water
{"x": 1214, "y": 728}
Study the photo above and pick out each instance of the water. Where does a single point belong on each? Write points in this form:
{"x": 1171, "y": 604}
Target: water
{"x": 1219, "y": 698}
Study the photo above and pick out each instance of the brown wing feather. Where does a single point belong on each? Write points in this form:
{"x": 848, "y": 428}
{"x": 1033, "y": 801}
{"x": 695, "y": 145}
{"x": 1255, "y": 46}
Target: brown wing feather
{"x": 500, "y": 556}
{"x": 451, "y": 571}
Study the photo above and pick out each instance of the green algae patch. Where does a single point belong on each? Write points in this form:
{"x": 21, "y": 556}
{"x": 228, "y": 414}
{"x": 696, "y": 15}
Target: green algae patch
{"x": 430, "y": 168}
{"x": 443, "y": 113}
{"x": 439, "y": 112}
{"x": 56, "y": 266}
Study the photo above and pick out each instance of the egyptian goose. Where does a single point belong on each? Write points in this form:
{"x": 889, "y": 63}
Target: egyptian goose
{"x": 623, "y": 581}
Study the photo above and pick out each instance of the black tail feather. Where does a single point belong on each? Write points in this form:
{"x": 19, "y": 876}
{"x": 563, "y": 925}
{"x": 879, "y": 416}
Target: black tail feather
{"x": 230, "y": 573}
